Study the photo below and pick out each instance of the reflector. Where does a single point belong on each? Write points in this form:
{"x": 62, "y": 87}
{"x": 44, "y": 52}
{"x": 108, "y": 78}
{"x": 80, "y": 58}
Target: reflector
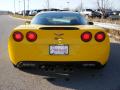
{"x": 100, "y": 36}
{"x": 31, "y": 36}
{"x": 17, "y": 36}
{"x": 86, "y": 36}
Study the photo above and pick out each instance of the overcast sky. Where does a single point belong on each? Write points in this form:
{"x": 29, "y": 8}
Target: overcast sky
{"x": 39, "y": 4}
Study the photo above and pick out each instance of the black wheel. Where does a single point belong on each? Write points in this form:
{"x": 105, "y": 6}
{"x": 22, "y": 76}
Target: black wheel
{"x": 15, "y": 65}
{"x": 99, "y": 66}
{"x": 19, "y": 65}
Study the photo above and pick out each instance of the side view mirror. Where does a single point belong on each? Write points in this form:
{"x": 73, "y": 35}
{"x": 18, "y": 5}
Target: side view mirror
{"x": 27, "y": 22}
{"x": 90, "y": 23}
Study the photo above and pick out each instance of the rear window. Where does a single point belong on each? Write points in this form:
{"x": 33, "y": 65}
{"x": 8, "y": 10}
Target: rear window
{"x": 59, "y": 19}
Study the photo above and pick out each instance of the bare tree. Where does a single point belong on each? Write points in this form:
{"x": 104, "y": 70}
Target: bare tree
{"x": 48, "y": 4}
{"x": 103, "y": 5}
{"x": 80, "y": 6}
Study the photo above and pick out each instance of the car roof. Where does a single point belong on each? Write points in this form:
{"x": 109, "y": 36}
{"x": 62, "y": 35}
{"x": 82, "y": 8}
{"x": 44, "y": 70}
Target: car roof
{"x": 68, "y": 12}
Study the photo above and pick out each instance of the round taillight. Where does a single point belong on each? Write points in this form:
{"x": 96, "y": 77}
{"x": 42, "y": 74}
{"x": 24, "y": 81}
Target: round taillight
{"x": 100, "y": 36}
{"x": 86, "y": 36}
{"x": 31, "y": 36}
{"x": 17, "y": 36}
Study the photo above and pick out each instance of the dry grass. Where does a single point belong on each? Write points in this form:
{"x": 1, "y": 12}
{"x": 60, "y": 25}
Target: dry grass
{"x": 90, "y": 19}
{"x": 23, "y": 17}
{"x": 115, "y": 33}
{"x": 104, "y": 20}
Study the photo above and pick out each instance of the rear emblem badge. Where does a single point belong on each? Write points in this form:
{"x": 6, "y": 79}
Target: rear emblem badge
{"x": 58, "y": 38}
{"x": 59, "y": 34}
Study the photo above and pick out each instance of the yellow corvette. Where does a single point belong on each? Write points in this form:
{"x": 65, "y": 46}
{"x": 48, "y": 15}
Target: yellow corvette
{"x": 60, "y": 38}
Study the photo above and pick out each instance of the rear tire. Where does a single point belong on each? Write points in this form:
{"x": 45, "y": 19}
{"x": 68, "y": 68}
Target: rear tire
{"x": 100, "y": 66}
{"x": 15, "y": 65}
{"x": 19, "y": 65}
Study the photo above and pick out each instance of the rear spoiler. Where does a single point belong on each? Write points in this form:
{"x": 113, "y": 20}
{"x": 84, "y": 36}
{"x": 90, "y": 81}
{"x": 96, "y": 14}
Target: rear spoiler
{"x": 59, "y": 28}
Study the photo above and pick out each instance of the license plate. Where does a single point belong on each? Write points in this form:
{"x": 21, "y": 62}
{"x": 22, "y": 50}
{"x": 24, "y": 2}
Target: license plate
{"x": 59, "y": 49}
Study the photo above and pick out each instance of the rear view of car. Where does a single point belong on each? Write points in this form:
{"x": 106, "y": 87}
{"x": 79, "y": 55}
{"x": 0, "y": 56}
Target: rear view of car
{"x": 59, "y": 38}
{"x": 96, "y": 14}
{"x": 32, "y": 12}
{"x": 87, "y": 12}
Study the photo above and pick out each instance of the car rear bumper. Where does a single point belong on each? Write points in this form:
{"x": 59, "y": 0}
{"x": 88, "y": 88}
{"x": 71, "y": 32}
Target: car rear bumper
{"x": 48, "y": 64}
{"x": 94, "y": 54}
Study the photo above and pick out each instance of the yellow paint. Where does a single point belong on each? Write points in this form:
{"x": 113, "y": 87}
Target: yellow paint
{"x": 39, "y": 50}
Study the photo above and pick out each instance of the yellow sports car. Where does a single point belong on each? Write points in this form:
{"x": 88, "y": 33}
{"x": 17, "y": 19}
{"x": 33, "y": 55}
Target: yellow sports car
{"x": 59, "y": 37}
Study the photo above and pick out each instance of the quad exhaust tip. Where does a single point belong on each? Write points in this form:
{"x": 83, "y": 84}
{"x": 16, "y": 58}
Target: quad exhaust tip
{"x": 53, "y": 68}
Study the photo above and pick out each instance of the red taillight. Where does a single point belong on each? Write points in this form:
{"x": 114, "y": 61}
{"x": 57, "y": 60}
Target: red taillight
{"x": 100, "y": 36}
{"x": 17, "y": 36}
{"x": 86, "y": 36}
{"x": 31, "y": 36}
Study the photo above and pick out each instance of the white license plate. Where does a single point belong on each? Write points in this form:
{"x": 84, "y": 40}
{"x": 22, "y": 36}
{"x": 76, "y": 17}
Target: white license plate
{"x": 59, "y": 50}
